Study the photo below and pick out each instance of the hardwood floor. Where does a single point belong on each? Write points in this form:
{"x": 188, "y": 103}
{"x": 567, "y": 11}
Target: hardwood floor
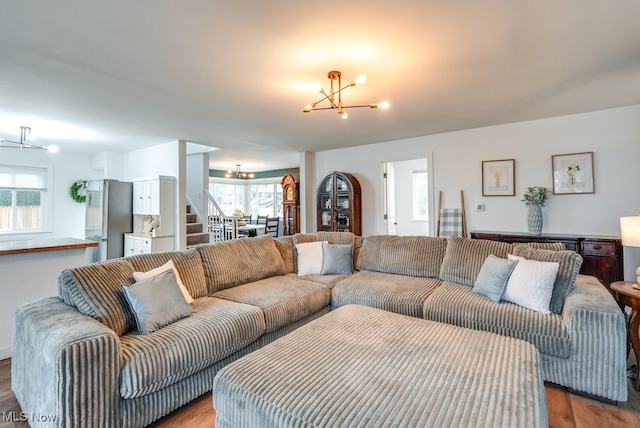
{"x": 565, "y": 409}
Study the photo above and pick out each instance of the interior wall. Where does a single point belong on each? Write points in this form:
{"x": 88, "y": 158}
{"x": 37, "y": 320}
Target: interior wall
{"x": 613, "y": 135}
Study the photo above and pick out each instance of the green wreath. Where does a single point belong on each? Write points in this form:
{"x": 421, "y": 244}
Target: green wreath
{"x": 75, "y": 189}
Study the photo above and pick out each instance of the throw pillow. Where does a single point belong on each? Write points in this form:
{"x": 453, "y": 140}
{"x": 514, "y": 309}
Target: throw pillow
{"x": 493, "y": 277}
{"x": 531, "y": 284}
{"x": 139, "y": 276}
{"x": 570, "y": 263}
{"x": 310, "y": 258}
{"x": 156, "y": 302}
{"x": 336, "y": 259}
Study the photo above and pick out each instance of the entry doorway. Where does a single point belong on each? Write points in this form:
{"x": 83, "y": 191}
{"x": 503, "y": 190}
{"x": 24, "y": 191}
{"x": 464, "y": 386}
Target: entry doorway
{"x": 407, "y": 197}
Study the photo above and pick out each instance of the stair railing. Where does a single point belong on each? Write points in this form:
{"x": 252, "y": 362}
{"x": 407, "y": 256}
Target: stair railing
{"x": 215, "y": 219}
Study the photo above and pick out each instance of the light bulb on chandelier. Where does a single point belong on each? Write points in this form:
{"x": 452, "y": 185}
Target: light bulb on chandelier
{"x": 334, "y": 95}
{"x": 25, "y": 142}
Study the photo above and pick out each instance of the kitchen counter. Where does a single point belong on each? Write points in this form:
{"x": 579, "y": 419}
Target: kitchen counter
{"x": 54, "y": 244}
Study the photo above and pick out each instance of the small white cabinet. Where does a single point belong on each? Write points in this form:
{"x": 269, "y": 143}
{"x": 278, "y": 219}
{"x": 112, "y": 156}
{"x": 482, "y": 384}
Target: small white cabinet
{"x": 139, "y": 244}
{"x": 148, "y": 196}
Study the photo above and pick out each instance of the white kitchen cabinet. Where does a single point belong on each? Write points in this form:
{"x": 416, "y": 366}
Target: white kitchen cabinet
{"x": 140, "y": 244}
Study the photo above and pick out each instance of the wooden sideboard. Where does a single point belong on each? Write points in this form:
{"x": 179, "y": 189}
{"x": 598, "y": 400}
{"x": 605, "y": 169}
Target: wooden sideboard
{"x": 602, "y": 255}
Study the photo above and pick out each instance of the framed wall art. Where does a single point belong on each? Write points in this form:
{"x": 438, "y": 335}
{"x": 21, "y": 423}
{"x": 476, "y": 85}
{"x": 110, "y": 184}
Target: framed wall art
{"x": 572, "y": 173}
{"x": 498, "y": 177}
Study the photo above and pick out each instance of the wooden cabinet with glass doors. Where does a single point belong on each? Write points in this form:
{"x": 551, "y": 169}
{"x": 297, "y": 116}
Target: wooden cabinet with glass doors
{"x": 339, "y": 207}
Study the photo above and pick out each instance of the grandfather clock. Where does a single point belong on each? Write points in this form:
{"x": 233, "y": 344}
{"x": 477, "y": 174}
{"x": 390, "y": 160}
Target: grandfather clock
{"x": 291, "y": 206}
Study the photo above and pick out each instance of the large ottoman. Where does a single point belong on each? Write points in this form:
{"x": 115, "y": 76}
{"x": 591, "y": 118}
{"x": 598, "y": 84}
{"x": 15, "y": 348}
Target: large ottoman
{"x": 364, "y": 367}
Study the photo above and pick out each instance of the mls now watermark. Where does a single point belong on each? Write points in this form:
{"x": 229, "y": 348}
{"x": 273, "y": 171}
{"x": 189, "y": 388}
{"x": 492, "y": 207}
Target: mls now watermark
{"x": 27, "y": 417}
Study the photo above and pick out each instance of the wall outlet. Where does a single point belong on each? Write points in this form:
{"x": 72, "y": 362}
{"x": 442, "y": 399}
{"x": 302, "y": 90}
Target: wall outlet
{"x": 479, "y": 207}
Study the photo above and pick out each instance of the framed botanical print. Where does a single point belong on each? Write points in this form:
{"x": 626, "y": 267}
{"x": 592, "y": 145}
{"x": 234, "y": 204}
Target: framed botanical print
{"x": 572, "y": 173}
{"x": 498, "y": 177}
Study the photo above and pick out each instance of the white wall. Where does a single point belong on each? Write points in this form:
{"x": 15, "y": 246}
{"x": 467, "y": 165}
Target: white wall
{"x": 67, "y": 220}
{"x": 162, "y": 159}
{"x": 613, "y": 135}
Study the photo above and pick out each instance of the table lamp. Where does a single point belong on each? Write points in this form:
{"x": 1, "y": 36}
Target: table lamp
{"x": 630, "y": 231}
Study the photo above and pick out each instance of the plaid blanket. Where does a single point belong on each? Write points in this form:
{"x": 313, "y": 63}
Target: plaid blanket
{"x": 450, "y": 222}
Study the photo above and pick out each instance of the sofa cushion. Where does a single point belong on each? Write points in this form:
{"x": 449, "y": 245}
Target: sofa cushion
{"x": 459, "y": 305}
{"x": 96, "y": 290}
{"x": 216, "y": 329}
{"x": 284, "y": 299}
{"x": 156, "y": 301}
{"x": 401, "y": 294}
{"x": 284, "y": 244}
{"x": 188, "y": 263}
{"x": 464, "y": 258}
{"x": 403, "y": 255}
{"x": 337, "y": 259}
{"x": 239, "y": 261}
{"x": 570, "y": 263}
{"x": 555, "y": 246}
{"x": 493, "y": 277}
{"x": 343, "y": 238}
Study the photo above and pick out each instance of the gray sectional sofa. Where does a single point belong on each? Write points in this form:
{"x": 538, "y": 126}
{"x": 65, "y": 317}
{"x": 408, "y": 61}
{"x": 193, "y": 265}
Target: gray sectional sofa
{"x": 78, "y": 356}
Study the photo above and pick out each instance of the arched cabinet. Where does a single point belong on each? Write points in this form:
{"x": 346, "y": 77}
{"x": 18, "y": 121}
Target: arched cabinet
{"x": 339, "y": 208}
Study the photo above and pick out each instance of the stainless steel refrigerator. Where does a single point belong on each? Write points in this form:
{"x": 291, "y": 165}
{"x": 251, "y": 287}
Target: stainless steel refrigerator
{"x": 108, "y": 217}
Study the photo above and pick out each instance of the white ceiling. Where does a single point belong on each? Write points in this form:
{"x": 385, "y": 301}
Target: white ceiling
{"x": 118, "y": 75}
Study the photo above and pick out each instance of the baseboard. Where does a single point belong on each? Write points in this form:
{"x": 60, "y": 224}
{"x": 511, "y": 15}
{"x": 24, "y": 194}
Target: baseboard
{"x": 5, "y": 353}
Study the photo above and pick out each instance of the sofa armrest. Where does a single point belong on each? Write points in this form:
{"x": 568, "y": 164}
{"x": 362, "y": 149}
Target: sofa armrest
{"x": 598, "y": 332}
{"x": 65, "y": 366}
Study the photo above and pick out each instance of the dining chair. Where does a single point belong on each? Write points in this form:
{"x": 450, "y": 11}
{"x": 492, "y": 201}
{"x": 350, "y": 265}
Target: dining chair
{"x": 262, "y": 219}
{"x": 272, "y": 226}
{"x": 247, "y": 218}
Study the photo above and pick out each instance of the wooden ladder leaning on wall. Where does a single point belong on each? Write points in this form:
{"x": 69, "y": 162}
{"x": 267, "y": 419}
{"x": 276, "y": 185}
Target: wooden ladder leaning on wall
{"x": 463, "y": 217}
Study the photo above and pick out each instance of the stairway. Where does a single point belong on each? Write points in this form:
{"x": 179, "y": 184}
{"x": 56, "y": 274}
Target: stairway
{"x": 195, "y": 231}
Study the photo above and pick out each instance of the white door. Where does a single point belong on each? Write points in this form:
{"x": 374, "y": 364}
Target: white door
{"x": 389, "y": 177}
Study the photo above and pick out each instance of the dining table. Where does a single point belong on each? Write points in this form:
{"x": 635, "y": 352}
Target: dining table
{"x": 251, "y": 229}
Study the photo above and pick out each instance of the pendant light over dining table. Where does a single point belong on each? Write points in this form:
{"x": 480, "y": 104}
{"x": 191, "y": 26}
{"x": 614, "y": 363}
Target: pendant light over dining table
{"x": 334, "y": 95}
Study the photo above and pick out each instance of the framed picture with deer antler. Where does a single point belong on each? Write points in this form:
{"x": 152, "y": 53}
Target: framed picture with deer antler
{"x": 572, "y": 173}
{"x": 498, "y": 177}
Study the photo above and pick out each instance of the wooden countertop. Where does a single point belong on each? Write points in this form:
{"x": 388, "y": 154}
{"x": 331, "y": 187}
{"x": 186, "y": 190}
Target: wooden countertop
{"x": 36, "y": 246}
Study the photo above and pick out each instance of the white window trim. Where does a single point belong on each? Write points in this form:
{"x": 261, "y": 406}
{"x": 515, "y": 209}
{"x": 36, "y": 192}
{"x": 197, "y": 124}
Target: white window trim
{"x": 47, "y": 211}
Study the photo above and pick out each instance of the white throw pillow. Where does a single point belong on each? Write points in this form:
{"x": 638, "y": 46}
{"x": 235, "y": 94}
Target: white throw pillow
{"x": 139, "y": 276}
{"x": 310, "y": 258}
{"x": 531, "y": 284}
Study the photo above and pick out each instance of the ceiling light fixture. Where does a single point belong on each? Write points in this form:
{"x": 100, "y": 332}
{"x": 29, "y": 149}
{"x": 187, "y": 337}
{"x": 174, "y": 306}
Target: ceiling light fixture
{"x": 238, "y": 174}
{"x": 331, "y": 95}
{"x": 25, "y": 142}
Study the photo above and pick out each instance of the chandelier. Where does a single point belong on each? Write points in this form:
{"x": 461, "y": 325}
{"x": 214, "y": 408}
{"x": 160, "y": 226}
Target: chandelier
{"x": 25, "y": 142}
{"x": 238, "y": 174}
{"x": 335, "y": 95}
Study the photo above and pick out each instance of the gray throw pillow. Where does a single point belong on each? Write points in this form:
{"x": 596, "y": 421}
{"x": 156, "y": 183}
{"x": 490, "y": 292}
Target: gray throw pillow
{"x": 337, "y": 259}
{"x": 156, "y": 302}
{"x": 493, "y": 277}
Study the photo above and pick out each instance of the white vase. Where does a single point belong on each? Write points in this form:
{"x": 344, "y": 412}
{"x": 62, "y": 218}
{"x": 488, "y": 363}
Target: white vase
{"x": 534, "y": 219}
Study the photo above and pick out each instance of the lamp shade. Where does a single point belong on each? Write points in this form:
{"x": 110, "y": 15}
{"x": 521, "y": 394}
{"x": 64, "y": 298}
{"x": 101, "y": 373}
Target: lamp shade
{"x": 630, "y": 231}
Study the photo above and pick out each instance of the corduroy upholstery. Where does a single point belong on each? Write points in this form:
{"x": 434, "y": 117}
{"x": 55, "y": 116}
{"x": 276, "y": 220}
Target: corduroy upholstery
{"x": 75, "y": 352}
{"x": 363, "y": 367}
{"x": 403, "y": 255}
{"x": 216, "y": 329}
{"x": 547, "y": 332}
{"x": 236, "y": 262}
{"x": 188, "y": 263}
{"x": 464, "y": 258}
{"x": 283, "y": 299}
{"x": 569, "y": 262}
{"x": 395, "y": 293}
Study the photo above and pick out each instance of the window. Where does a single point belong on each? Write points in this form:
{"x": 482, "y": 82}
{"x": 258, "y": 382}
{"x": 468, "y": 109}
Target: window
{"x": 228, "y": 195}
{"x": 420, "y": 194}
{"x": 263, "y": 197}
{"x": 22, "y": 198}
